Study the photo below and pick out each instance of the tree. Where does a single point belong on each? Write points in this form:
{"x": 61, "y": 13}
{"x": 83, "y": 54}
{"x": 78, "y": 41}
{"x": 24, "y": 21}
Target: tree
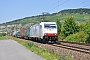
{"x": 69, "y": 27}
{"x": 81, "y": 27}
{"x": 58, "y": 26}
{"x": 87, "y": 27}
{"x": 87, "y": 31}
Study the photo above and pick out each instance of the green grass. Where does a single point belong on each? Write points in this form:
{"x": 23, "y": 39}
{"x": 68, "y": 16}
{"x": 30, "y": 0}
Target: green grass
{"x": 3, "y": 37}
{"x": 41, "y": 52}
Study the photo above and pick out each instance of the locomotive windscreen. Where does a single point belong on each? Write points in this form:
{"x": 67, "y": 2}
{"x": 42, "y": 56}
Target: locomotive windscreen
{"x": 49, "y": 25}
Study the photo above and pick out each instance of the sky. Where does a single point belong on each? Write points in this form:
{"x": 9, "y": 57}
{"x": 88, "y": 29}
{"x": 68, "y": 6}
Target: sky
{"x": 16, "y": 9}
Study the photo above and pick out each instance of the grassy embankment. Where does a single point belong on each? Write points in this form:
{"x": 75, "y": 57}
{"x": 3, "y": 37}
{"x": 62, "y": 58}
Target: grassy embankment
{"x": 39, "y": 51}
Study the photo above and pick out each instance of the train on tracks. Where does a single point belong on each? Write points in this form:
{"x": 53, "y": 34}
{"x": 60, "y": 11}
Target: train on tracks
{"x": 44, "y": 32}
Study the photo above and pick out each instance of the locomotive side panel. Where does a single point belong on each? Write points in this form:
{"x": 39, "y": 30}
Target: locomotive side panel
{"x": 34, "y": 31}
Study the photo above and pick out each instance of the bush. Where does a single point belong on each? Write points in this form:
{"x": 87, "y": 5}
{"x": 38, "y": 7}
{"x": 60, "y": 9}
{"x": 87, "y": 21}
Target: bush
{"x": 58, "y": 26}
{"x": 80, "y": 37}
{"x": 61, "y": 37}
{"x": 87, "y": 27}
{"x": 2, "y": 34}
{"x": 88, "y": 40}
{"x": 69, "y": 27}
{"x": 81, "y": 27}
{"x": 87, "y": 31}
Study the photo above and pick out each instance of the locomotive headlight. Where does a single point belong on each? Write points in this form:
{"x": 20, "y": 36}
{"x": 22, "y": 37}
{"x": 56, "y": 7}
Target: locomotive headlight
{"x": 55, "y": 34}
{"x": 45, "y": 34}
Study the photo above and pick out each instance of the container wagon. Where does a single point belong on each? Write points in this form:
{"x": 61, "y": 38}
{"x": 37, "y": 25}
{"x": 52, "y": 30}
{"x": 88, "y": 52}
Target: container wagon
{"x": 14, "y": 33}
{"x": 27, "y": 33}
{"x": 18, "y": 34}
{"x": 22, "y": 35}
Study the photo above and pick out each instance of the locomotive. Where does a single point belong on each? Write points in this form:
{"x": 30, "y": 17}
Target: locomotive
{"x": 44, "y": 32}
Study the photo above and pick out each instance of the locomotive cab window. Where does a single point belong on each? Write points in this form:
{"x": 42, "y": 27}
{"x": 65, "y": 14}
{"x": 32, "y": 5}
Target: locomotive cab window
{"x": 49, "y": 26}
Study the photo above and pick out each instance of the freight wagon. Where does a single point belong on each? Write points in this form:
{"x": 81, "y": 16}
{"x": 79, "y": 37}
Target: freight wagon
{"x": 27, "y": 33}
{"x": 16, "y": 34}
{"x": 22, "y": 35}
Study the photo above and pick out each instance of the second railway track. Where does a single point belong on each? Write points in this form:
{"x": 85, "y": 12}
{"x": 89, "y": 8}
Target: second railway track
{"x": 74, "y": 46}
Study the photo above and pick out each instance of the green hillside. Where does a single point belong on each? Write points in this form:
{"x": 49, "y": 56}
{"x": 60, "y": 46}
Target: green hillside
{"x": 81, "y": 15}
{"x": 75, "y": 32}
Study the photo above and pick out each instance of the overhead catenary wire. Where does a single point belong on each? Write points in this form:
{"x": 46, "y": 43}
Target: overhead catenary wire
{"x": 55, "y": 4}
{"x": 84, "y": 3}
{"x": 63, "y": 4}
{"x": 46, "y": 13}
{"x": 59, "y": 5}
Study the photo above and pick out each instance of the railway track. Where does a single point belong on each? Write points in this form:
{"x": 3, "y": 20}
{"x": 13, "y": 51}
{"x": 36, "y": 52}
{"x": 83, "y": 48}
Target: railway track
{"x": 84, "y": 48}
{"x": 80, "y": 47}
